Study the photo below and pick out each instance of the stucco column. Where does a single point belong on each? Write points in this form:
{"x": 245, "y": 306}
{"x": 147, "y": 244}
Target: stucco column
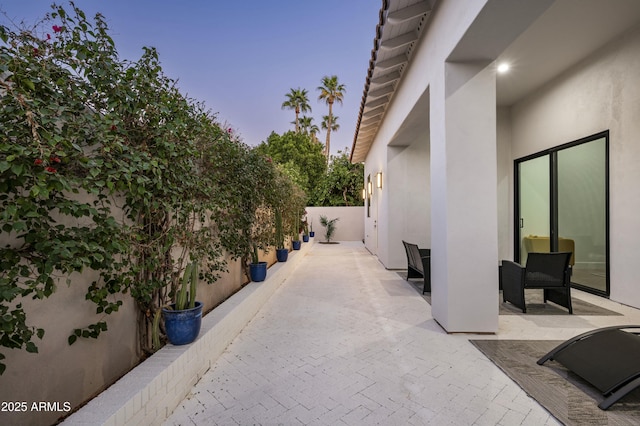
{"x": 464, "y": 238}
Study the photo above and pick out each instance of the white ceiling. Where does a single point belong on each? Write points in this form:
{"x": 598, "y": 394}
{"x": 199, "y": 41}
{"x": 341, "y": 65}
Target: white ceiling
{"x": 566, "y": 33}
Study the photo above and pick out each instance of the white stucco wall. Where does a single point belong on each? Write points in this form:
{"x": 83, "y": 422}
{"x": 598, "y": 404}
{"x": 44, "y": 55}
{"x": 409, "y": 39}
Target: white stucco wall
{"x": 406, "y": 214}
{"x": 375, "y": 224}
{"x": 451, "y": 306}
{"x": 409, "y": 209}
{"x": 505, "y": 184}
{"x": 401, "y": 209}
{"x": 598, "y": 94}
{"x": 349, "y": 226}
{"x": 601, "y": 93}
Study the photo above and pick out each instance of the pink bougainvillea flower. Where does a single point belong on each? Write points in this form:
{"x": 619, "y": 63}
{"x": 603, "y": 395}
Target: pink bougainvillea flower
{"x": 48, "y": 36}
{"x": 56, "y": 29}
{"x": 38, "y": 161}
{"x": 54, "y": 159}
{"x": 50, "y": 169}
{"x": 229, "y": 130}
{"x": 36, "y": 52}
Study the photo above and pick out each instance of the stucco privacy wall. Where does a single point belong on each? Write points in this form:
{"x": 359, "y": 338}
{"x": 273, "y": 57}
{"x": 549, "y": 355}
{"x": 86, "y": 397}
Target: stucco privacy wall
{"x": 63, "y": 373}
{"x": 599, "y": 93}
{"x": 349, "y": 226}
{"x": 150, "y": 392}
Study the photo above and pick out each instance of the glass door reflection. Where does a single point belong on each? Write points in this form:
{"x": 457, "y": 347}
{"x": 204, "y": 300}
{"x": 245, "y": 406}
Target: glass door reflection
{"x": 582, "y": 211}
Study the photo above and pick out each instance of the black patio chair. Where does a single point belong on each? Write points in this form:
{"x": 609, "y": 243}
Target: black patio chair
{"x": 608, "y": 358}
{"x": 418, "y": 264}
{"x": 548, "y": 271}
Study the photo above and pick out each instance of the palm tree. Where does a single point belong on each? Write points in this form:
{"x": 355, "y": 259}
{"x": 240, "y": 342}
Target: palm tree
{"x": 298, "y": 101}
{"x": 334, "y": 123}
{"x": 308, "y": 128}
{"x": 325, "y": 125}
{"x": 313, "y": 129}
{"x": 330, "y": 92}
{"x": 305, "y": 124}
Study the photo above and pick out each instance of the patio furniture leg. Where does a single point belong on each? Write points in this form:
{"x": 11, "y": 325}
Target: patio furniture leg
{"x": 614, "y": 397}
{"x": 512, "y": 284}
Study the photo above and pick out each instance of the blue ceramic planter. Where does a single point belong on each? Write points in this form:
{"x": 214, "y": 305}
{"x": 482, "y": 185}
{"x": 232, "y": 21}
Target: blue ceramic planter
{"x": 312, "y": 234}
{"x": 305, "y": 238}
{"x": 296, "y": 245}
{"x": 258, "y": 271}
{"x": 182, "y": 327}
{"x": 282, "y": 255}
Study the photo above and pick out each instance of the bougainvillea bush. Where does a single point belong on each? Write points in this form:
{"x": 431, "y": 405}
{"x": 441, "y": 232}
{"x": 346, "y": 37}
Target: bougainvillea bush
{"x": 84, "y": 134}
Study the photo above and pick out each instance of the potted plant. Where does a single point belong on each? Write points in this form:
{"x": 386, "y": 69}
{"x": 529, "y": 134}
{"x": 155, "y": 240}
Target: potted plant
{"x": 281, "y": 253}
{"x": 260, "y": 237}
{"x": 330, "y": 228}
{"x": 311, "y": 233}
{"x": 296, "y": 233}
{"x": 183, "y": 318}
{"x": 257, "y": 269}
{"x": 305, "y": 230}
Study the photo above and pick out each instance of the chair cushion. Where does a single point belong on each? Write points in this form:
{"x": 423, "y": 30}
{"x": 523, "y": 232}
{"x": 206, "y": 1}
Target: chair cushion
{"x": 540, "y": 279}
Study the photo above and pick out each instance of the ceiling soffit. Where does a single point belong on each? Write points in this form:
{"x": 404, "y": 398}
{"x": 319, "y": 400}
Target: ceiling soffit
{"x": 399, "y": 28}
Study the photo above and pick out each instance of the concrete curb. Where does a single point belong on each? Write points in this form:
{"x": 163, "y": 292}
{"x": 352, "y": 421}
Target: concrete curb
{"x": 149, "y": 393}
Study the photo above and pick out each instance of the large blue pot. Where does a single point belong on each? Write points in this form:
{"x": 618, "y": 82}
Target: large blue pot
{"x": 182, "y": 327}
{"x": 305, "y": 238}
{"x": 258, "y": 271}
{"x": 296, "y": 245}
{"x": 282, "y": 254}
{"x": 312, "y": 234}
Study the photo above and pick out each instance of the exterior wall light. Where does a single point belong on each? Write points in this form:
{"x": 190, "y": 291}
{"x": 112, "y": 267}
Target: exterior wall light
{"x": 503, "y": 67}
{"x": 379, "y": 179}
{"x": 370, "y": 188}
{"x": 364, "y": 194}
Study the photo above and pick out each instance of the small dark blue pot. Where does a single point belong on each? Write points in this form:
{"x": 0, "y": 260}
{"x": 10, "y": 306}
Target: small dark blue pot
{"x": 305, "y": 238}
{"x": 258, "y": 271}
{"x": 282, "y": 255}
{"x": 296, "y": 245}
{"x": 182, "y": 327}
{"x": 312, "y": 234}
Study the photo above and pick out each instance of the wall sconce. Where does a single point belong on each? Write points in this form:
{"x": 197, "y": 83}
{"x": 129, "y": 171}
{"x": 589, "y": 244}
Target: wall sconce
{"x": 364, "y": 194}
{"x": 370, "y": 188}
{"x": 379, "y": 179}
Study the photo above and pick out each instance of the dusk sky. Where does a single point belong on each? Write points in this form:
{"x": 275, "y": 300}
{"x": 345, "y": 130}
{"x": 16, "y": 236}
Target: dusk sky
{"x": 242, "y": 57}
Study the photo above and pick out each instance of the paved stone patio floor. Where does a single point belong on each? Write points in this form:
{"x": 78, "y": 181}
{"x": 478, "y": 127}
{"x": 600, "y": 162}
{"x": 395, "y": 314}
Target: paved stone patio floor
{"x": 346, "y": 342}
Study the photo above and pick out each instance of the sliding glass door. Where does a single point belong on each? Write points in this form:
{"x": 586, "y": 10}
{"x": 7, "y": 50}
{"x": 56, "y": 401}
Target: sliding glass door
{"x": 535, "y": 205}
{"x": 562, "y": 205}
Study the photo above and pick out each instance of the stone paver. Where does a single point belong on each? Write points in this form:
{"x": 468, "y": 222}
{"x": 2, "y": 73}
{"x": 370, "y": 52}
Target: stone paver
{"x": 346, "y": 342}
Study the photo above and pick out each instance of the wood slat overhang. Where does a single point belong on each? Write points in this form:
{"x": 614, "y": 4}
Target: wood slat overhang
{"x": 400, "y": 25}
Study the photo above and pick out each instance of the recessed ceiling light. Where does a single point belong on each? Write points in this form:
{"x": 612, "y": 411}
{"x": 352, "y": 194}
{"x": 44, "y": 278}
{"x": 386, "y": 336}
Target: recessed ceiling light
{"x": 503, "y": 68}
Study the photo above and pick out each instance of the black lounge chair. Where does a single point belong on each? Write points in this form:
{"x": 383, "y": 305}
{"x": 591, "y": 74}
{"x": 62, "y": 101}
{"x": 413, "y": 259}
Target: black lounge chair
{"x": 608, "y": 358}
{"x": 548, "y": 271}
{"x": 418, "y": 264}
